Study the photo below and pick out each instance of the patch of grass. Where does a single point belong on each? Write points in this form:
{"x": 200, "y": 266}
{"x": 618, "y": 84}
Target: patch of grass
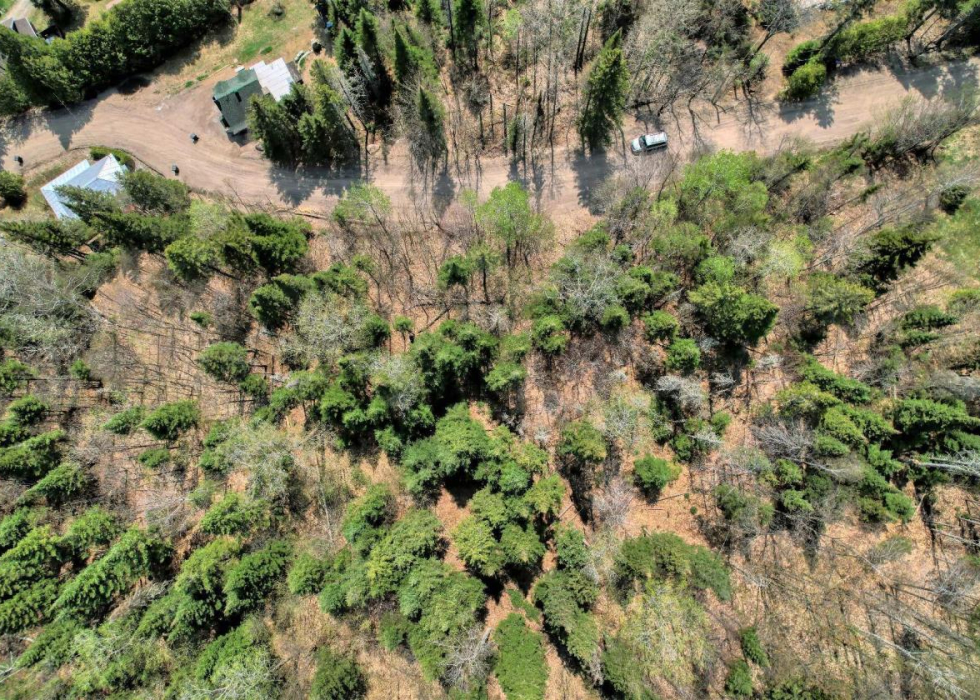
{"x": 260, "y": 33}
{"x": 959, "y": 244}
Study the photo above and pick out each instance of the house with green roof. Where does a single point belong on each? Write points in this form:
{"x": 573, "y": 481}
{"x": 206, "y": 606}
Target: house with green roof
{"x": 232, "y": 96}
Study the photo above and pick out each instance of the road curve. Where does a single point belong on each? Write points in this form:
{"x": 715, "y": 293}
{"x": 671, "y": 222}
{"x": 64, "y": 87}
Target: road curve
{"x": 158, "y": 134}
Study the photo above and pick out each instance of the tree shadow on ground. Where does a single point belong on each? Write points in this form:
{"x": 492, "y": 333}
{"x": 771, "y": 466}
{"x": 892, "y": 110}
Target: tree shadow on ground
{"x": 820, "y": 107}
{"x": 590, "y": 172}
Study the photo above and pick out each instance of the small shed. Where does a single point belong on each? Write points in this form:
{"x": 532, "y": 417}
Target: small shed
{"x": 101, "y": 176}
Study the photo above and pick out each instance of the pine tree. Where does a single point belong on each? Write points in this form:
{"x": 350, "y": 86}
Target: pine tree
{"x": 406, "y": 61}
{"x": 467, "y": 16}
{"x": 429, "y": 12}
{"x": 275, "y": 129}
{"x": 345, "y": 50}
{"x": 605, "y": 99}
{"x": 431, "y": 136}
{"x": 368, "y": 31}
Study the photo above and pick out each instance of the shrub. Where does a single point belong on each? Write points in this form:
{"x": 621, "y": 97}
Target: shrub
{"x": 27, "y": 411}
{"x": 15, "y": 526}
{"x": 891, "y": 251}
{"x": 134, "y": 556}
{"x": 582, "y": 443}
{"x": 32, "y": 458}
{"x": 239, "y": 660}
{"x": 752, "y": 647}
{"x": 125, "y": 422}
{"x": 800, "y": 54}
{"x": 731, "y": 314}
{"x": 850, "y": 390}
{"x": 660, "y": 325}
{"x": 196, "y": 599}
{"x": 683, "y": 356}
{"x": 60, "y": 485}
{"x": 571, "y": 548}
{"x": 477, "y": 547}
{"x": 95, "y": 528}
{"x": 548, "y": 335}
{"x": 255, "y": 386}
{"x": 124, "y": 158}
{"x": 964, "y": 301}
{"x": 653, "y": 474}
{"x": 225, "y": 362}
{"x": 54, "y": 645}
{"x": 250, "y": 581}
{"x": 366, "y": 517}
{"x": 522, "y": 546}
{"x": 307, "y": 575}
{"x": 337, "y": 677}
{"x": 862, "y": 40}
{"x": 545, "y": 496}
{"x": 154, "y": 458}
{"x": 520, "y": 666}
{"x": 80, "y": 370}
{"x": 665, "y": 555}
{"x": 416, "y": 536}
{"x": 393, "y": 629}
{"x": 28, "y": 607}
{"x": 37, "y": 555}
{"x": 232, "y": 515}
{"x": 13, "y": 375}
{"x": 170, "y": 420}
{"x": 806, "y": 81}
{"x": 12, "y": 189}
{"x": 739, "y": 681}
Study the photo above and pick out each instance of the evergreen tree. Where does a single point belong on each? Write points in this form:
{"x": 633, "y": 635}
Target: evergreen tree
{"x": 429, "y": 12}
{"x": 605, "y": 95}
{"x": 429, "y": 139}
{"x": 406, "y": 65}
{"x": 345, "y": 50}
{"x": 273, "y": 126}
{"x": 375, "y": 74}
{"x": 467, "y": 18}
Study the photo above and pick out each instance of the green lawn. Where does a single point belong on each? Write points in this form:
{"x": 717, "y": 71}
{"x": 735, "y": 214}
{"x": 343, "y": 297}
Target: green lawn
{"x": 262, "y": 35}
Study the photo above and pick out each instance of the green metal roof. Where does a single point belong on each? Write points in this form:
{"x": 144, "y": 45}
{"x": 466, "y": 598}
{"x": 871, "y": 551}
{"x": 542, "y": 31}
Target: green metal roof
{"x": 232, "y": 97}
{"x": 235, "y": 83}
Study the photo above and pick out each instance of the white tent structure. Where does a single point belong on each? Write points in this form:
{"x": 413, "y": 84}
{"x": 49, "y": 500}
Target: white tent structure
{"x": 101, "y": 176}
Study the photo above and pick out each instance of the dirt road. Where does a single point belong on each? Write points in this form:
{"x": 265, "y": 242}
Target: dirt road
{"x": 159, "y": 135}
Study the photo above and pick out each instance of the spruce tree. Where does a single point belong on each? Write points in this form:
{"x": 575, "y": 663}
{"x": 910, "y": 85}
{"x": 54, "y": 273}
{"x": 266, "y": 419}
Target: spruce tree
{"x": 345, "y": 50}
{"x": 432, "y": 135}
{"x": 429, "y": 12}
{"x": 467, "y": 16}
{"x": 605, "y": 98}
{"x": 275, "y": 128}
{"x": 406, "y": 61}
